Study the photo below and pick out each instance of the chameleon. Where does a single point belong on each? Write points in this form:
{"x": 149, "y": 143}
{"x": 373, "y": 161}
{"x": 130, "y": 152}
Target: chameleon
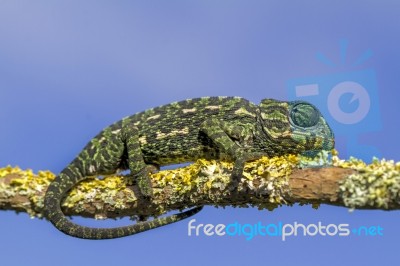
{"x": 223, "y": 128}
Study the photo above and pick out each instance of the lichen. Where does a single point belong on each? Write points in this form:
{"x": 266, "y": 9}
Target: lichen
{"x": 265, "y": 185}
{"x": 111, "y": 192}
{"x": 374, "y": 185}
{"x": 33, "y": 186}
{"x": 27, "y": 185}
{"x": 266, "y": 179}
{"x": 203, "y": 181}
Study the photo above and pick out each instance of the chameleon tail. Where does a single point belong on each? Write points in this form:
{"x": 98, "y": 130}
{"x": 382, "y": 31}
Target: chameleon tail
{"x": 53, "y": 212}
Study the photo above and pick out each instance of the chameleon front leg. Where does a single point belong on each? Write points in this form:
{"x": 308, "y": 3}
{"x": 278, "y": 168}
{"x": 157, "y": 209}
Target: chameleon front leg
{"x": 223, "y": 134}
{"x": 139, "y": 170}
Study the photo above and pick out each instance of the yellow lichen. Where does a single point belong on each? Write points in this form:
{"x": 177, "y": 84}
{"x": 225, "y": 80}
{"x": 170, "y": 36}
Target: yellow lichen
{"x": 27, "y": 185}
{"x": 264, "y": 180}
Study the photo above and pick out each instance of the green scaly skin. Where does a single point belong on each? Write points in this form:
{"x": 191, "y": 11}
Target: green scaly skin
{"x": 228, "y": 128}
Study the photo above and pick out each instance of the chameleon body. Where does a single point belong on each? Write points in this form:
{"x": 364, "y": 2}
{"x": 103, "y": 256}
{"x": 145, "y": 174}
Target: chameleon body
{"x": 226, "y": 128}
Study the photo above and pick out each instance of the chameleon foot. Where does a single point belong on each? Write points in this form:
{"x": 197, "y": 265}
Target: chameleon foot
{"x": 237, "y": 171}
{"x": 144, "y": 182}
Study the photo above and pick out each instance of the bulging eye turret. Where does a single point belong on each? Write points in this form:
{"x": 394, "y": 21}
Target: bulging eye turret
{"x": 304, "y": 115}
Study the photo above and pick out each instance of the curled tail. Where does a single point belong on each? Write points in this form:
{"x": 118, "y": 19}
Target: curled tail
{"x": 54, "y": 214}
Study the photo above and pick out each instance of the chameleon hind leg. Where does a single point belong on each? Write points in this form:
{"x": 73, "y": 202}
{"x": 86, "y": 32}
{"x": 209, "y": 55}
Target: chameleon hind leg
{"x": 139, "y": 170}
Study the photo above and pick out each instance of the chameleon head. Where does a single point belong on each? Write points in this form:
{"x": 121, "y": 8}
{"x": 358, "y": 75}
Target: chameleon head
{"x": 296, "y": 126}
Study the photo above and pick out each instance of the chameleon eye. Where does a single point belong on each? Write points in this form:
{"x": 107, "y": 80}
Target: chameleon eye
{"x": 304, "y": 115}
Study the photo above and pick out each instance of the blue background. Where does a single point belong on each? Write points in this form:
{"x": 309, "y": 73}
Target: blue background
{"x": 70, "y": 68}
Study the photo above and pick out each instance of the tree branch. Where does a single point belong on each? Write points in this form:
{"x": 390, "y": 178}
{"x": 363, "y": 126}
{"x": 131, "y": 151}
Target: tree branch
{"x": 267, "y": 184}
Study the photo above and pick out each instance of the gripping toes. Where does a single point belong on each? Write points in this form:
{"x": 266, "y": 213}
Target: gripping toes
{"x": 238, "y": 167}
{"x": 144, "y": 182}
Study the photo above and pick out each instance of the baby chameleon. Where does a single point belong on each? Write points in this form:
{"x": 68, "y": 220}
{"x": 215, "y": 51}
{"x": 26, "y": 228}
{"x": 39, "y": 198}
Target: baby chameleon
{"x": 228, "y": 128}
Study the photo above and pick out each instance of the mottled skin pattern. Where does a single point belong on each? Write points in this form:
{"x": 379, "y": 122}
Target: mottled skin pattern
{"x": 228, "y": 128}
